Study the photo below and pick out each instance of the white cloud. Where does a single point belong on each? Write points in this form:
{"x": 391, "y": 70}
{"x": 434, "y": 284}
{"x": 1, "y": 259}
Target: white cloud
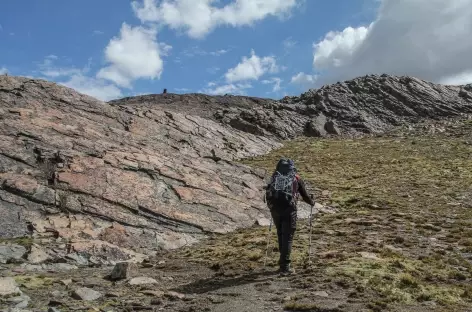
{"x": 60, "y": 72}
{"x": 76, "y": 78}
{"x": 134, "y": 54}
{"x": 49, "y": 70}
{"x": 3, "y": 70}
{"x": 199, "y": 17}
{"x": 275, "y": 81}
{"x": 338, "y": 47}
{"x": 94, "y": 87}
{"x": 238, "y": 88}
{"x": 304, "y": 80}
{"x": 252, "y": 68}
{"x": 459, "y": 79}
{"x": 98, "y": 32}
{"x": 428, "y": 39}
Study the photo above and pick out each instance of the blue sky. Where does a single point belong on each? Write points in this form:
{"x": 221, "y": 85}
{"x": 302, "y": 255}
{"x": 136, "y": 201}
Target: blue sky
{"x": 267, "y": 48}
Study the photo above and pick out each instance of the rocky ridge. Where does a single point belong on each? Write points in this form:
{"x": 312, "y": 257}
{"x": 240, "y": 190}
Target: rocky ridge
{"x": 102, "y": 182}
{"x": 98, "y": 183}
{"x": 369, "y": 104}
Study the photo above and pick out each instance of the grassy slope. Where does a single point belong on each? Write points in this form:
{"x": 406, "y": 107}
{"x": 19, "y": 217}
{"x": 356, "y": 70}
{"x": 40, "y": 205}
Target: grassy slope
{"x": 403, "y": 233}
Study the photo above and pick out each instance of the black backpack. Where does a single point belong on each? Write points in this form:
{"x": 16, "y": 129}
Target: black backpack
{"x": 283, "y": 186}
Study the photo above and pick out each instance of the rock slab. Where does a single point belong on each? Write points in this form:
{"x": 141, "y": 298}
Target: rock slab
{"x": 118, "y": 182}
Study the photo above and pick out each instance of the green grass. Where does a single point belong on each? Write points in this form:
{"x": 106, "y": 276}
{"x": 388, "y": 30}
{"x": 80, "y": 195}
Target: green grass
{"x": 34, "y": 281}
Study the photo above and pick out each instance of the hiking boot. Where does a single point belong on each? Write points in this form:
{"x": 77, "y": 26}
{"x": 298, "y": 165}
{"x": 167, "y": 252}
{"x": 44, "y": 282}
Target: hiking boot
{"x": 284, "y": 271}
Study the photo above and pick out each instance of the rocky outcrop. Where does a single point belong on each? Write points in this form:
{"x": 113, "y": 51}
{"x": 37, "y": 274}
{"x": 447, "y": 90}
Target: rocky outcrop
{"x": 370, "y": 104}
{"x": 116, "y": 182}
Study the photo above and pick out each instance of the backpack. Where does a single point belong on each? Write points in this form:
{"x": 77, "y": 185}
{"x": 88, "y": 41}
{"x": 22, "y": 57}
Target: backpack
{"x": 282, "y": 189}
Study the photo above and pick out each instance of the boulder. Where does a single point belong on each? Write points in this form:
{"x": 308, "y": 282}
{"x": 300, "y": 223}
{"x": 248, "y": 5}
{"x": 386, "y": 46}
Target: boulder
{"x": 86, "y": 294}
{"x": 123, "y": 270}
{"x": 11, "y": 253}
{"x": 263, "y": 222}
{"x": 331, "y": 128}
{"x": 313, "y": 129}
{"x": 321, "y": 294}
{"x": 37, "y": 255}
{"x": 8, "y": 287}
{"x": 18, "y": 302}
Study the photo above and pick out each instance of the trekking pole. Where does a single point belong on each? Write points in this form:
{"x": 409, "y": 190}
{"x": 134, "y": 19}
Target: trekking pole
{"x": 268, "y": 235}
{"x": 268, "y": 241}
{"x": 311, "y": 219}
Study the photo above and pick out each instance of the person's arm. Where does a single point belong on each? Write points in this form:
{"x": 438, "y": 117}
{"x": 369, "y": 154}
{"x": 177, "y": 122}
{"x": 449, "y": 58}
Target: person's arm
{"x": 303, "y": 192}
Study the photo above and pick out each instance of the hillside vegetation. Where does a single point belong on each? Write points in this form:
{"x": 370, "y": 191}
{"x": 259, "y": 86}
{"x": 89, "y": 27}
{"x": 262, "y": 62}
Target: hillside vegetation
{"x": 402, "y": 237}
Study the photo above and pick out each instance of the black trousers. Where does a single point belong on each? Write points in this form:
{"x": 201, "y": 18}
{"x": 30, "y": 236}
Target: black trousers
{"x": 285, "y": 222}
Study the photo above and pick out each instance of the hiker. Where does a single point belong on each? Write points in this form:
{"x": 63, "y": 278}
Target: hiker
{"x": 282, "y": 194}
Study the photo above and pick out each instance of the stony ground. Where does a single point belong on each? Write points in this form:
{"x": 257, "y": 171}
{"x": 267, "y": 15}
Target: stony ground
{"x": 400, "y": 240}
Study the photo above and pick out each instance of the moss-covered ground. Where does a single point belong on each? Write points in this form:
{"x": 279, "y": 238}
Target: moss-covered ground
{"x": 403, "y": 234}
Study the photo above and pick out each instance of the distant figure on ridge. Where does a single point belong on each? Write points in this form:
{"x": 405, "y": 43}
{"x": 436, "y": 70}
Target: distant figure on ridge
{"x": 282, "y": 194}
{"x": 165, "y": 91}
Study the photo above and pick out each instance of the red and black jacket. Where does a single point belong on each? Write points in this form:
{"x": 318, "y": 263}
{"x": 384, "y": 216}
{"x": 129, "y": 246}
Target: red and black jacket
{"x": 301, "y": 190}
